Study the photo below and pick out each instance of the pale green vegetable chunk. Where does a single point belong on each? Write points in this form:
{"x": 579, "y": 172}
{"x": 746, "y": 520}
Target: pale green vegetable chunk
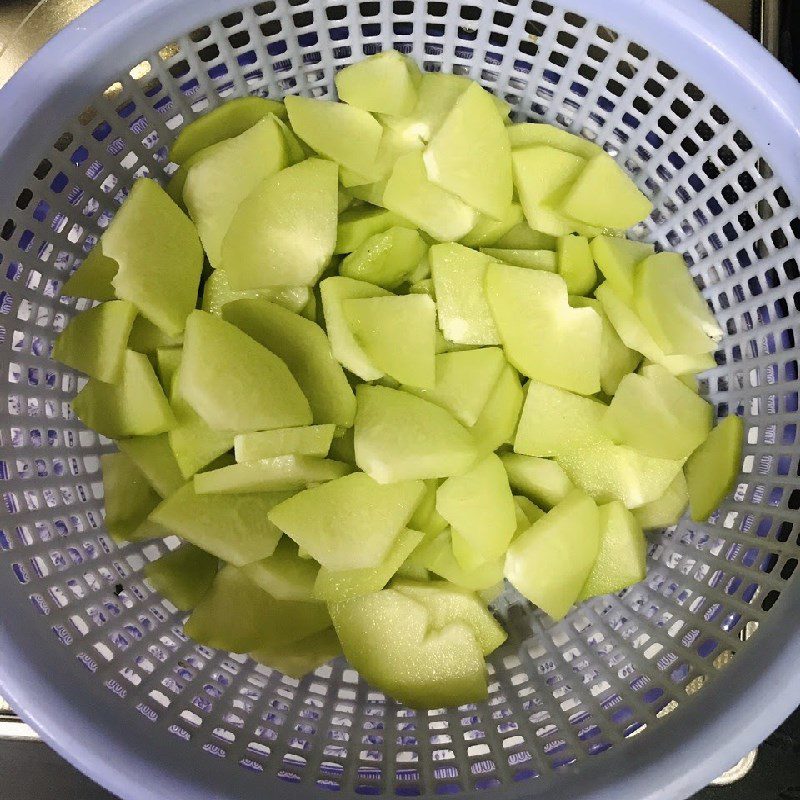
{"x": 94, "y": 342}
{"x": 274, "y": 474}
{"x": 297, "y": 659}
{"x": 576, "y": 265}
{"x": 635, "y": 335}
{"x": 285, "y": 575}
{"x": 238, "y": 616}
{"x": 342, "y": 447}
{"x": 674, "y": 312}
{"x": 604, "y": 196}
{"x": 480, "y": 508}
{"x": 335, "y": 586}
{"x": 446, "y": 604}
{"x": 551, "y": 561}
{"x": 382, "y": 83}
{"x": 308, "y": 440}
{"x": 392, "y": 146}
{"x": 543, "y": 337}
{"x": 498, "y": 421}
{"x": 470, "y": 157}
{"x": 183, "y": 576}
{"x": 147, "y": 338}
{"x": 488, "y": 231}
{"x": 400, "y": 437}
{"x": 385, "y": 259}
{"x": 542, "y": 481}
{"x": 530, "y": 259}
{"x": 622, "y": 558}
{"x": 168, "y": 359}
{"x": 344, "y": 346}
{"x": 93, "y": 277}
{"x": 129, "y": 497}
{"x": 658, "y": 415}
{"x": 224, "y": 122}
{"x": 459, "y": 276}
{"x": 217, "y": 293}
{"x": 296, "y": 151}
{"x": 523, "y": 237}
{"x": 350, "y": 522}
{"x": 666, "y": 510}
{"x": 712, "y": 469}
{"x": 438, "y": 557}
{"x": 412, "y": 195}
{"x": 233, "y": 527}
{"x": 303, "y": 346}
{"x": 233, "y": 382}
{"x": 617, "y": 259}
{"x": 465, "y": 380}
{"x": 159, "y": 256}
{"x": 425, "y": 517}
{"x": 154, "y": 457}
{"x": 134, "y": 406}
{"x": 359, "y": 224}
{"x": 530, "y": 134}
{"x": 398, "y": 335}
{"x": 528, "y": 510}
{"x": 345, "y": 134}
{"x": 225, "y": 174}
{"x": 284, "y": 232}
{"x": 388, "y": 638}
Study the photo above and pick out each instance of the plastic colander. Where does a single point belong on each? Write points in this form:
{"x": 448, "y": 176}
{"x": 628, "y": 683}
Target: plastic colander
{"x": 648, "y": 694}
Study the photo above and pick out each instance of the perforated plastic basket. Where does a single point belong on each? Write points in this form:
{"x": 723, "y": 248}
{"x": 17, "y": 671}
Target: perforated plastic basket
{"x": 700, "y": 660}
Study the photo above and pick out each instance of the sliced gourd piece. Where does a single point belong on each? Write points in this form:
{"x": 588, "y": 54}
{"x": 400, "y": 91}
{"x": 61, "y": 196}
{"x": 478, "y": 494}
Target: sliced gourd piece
{"x": 183, "y": 576}
{"x": 542, "y": 481}
{"x": 94, "y": 342}
{"x": 233, "y": 527}
{"x": 550, "y": 562}
{"x": 303, "y": 346}
{"x": 224, "y": 122}
{"x": 459, "y": 276}
{"x": 392, "y": 146}
{"x": 168, "y": 359}
{"x": 335, "y": 586}
{"x": 467, "y": 557}
{"x": 233, "y": 382}
{"x": 636, "y": 336}
{"x": 308, "y": 440}
{"x": 498, "y": 421}
{"x": 412, "y": 195}
{"x": 359, "y": 224}
{"x": 129, "y": 497}
{"x": 387, "y": 637}
{"x": 410, "y": 571}
{"x": 93, "y": 277}
{"x": 447, "y": 603}
{"x": 530, "y": 259}
{"x": 712, "y": 469}
{"x": 296, "y": 152}
{"x": 674, "y": 312}
{"x": 480, "y": 508}
{"x": 342, "y": 133}
{"x": 488, "y": 230}
{"x": 543, "y": 337}
{"x": 398, "y": 335}
{"x": 465, "y": 380}
{"x": 134, "y": 406}
{"x": 343, "y": 448}
{"x": 622, "y": 558}
{"x": 604, "y": 196}
{"x": 225, "y": 175}
{"x": 275, "y": 474}
{"x": 285, "y": 575}
{"x": 666, "y": 510}
{"x": 154, "y": 457}
{"x": 217, "y": 293}
{"x": 147, "y": 338}
{"x": 470, "y": 157}
{"x": 438, "y": 558}
{"x": 370, "y": 192}
{"x": 284, "y": 232}
{"x": 238, "y": 616}
{"x": 576, "y": 265}
{"x": 300, "y": 658}
{"x": 530, "y": 134}
{"x": 350, "y": 522}
{"x": 523, "y": 237}
{"x": 401, "y": 437}
{"x": 344, "y": 346}
{"x": 382, "y": 83}
{"x": 426, "y": 518}
{"x": 617, "y": 259}
{"x": 657, "y": 415}
{"x": 528, "y": 509}
{"x": 385, "y": 259}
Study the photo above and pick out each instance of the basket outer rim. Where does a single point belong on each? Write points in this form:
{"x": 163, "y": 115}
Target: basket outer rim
{"x": 701, "y": 740}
